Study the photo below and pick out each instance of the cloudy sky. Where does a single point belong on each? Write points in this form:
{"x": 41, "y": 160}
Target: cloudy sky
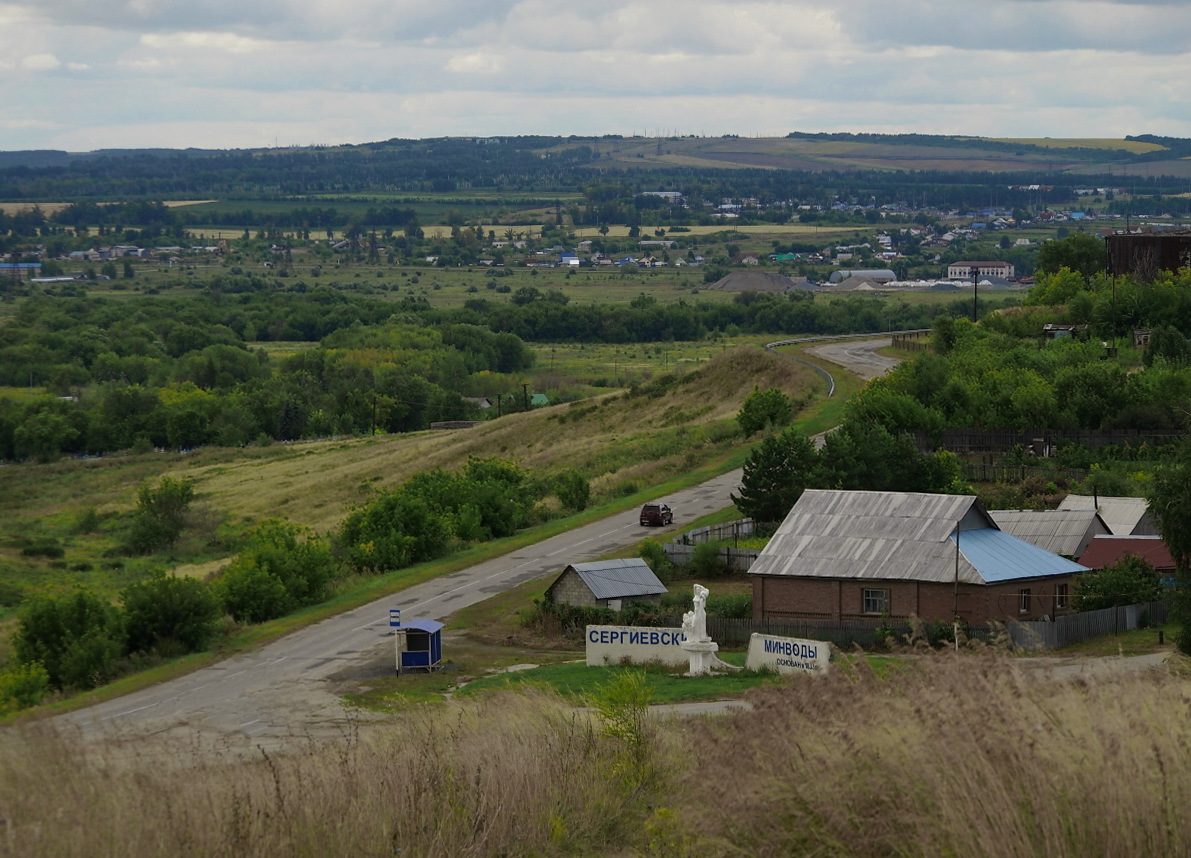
{"x": 89, "y": 74}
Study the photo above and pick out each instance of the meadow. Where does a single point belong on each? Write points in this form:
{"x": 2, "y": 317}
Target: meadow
{"x": 968, "y": 754}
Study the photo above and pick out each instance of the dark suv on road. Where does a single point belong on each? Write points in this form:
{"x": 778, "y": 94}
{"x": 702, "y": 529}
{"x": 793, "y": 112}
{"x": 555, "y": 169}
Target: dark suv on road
{"x": 657, "y": 514}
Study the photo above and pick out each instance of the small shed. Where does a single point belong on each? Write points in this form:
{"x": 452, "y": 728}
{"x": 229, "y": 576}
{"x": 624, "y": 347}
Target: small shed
{"x": 606, "y": 584}
{"x": 419, "y": 645}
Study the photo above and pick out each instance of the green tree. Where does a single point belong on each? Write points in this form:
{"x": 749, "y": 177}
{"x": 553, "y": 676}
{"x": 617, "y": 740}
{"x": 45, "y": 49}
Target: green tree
{"x": 1169, "y": 497}
{"x": 1078, "y": 252}
{"x": 160, "y": 515}
{"x": 1129, "y": 581}
{"x": 77, "y": 638}
{"x": 776, "y": 473}
{"x": 763, "y": 408}
{"x": 573, "y": 490}
{"x": 167, "y": 614}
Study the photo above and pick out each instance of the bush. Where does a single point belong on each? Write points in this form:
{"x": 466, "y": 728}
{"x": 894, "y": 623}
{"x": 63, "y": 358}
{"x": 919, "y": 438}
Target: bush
{"x": 23, "y": 686}
{"x": 167, "y": 613}
{"x": 77, "y": 638}
{"x": 706, "y": 562}
{"x": 763, "y": 408}
{"x": 281, "y": 567}
{"x": 160, "y": 515}
{"x": 47, "y": 547}
{"x": 251, "y": 595}
{"x": 738, "y": 607}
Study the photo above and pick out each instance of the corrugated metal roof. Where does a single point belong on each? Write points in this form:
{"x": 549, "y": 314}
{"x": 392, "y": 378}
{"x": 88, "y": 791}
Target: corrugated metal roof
{"x": 1124, "y": 516}
{"x": 1061, "y": 531}
{"x": 1107, "y": 550}
{"x": 618, "y": 579}
{"x": 891, "y": 536}
{"x": 998, "y": 557}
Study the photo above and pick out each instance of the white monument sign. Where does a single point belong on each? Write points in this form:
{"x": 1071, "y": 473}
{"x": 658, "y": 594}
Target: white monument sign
{"x": 635, "y": 644}
{"x": 788, "y": 655}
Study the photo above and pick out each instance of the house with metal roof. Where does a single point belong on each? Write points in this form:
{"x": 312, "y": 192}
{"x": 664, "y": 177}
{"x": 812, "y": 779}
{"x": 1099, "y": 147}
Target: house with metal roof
{"x": 1107, "y": 550}
{"x": 847, "y": 555}
{"x": 606, "y": 584}
{"x": 1059, "y": 531}
{"x": 1124, "y": 516}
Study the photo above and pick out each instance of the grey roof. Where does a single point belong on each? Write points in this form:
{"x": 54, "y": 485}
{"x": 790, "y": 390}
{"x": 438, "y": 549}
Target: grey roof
{"x": 1124, "y": 516}
{"x": 618, "y": 579}
{"x": 899, "y": 536}
{"x": 1061, "y": 531}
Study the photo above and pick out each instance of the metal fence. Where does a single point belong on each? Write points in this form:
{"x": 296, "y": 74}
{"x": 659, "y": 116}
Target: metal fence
{"x": 739, "y": 529}
{"x": 1073, "y": 628}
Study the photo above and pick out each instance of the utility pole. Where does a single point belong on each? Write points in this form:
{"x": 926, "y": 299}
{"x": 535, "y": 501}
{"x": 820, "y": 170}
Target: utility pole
{"x": 525, "y": 394}
{"x": 975, "y": 285}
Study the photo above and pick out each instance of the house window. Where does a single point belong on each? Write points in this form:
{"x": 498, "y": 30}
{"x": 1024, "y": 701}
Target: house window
{"x": 1061, "y": 596}
{"x": 876, "y": 602}
{"x": 1023, "y": 601}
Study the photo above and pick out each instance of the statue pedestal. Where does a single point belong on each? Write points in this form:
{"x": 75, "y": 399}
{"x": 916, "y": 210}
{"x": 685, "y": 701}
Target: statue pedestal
{"x": 702, "y": 654}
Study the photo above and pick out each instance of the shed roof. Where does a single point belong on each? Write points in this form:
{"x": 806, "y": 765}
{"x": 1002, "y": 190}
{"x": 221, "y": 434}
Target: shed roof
{"x": 1124, "y": 516}
{"x": 1107, "y": 550}
{"x": 899, "y": 536}
{"x": 1061, "y": 531}
{"x": 430, "y": 626}
{"x": 618, "y": 579}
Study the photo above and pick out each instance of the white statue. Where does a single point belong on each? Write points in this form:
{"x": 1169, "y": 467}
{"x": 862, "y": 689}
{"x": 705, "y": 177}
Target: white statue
{"x": 698, "y": 616}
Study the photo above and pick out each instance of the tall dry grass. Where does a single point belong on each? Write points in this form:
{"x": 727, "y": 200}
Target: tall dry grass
{"x": 975, "y": 757}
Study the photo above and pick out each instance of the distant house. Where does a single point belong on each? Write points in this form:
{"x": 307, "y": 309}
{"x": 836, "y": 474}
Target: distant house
{"x": 479, "y": 401}
{"x": 983, "y": 268}
{"x": 1105, "y": 550}
{"x": 1059, "y": 531}
{"x": 1124, "y": 516}
{"x": 846, "y": 555}
{"x": 877, "y": 275}
{"x": 606, "y": 584}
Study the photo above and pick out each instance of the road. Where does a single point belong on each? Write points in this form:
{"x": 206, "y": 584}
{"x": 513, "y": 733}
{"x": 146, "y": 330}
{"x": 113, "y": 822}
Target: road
{"x": 283, "y": 690}
{"x": 286, "y": 689}
{"x": 859, "y": 357}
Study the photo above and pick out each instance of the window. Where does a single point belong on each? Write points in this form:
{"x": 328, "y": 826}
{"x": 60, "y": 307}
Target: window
{"x": 876, "y": 602}
{"x": 1023, "y": 601}
{"x": 1061, "y": 596}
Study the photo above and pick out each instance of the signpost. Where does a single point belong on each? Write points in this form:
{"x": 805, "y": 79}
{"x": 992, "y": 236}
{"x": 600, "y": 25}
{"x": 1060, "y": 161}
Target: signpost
{"x": 394, "y": 617}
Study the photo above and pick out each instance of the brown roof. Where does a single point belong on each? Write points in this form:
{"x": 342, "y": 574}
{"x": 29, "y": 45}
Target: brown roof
{"x": 1105, "y": 550}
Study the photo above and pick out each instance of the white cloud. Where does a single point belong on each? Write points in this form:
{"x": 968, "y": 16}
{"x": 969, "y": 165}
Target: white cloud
{"x": 40, "y": 62}
{"x": 214, "y": 71}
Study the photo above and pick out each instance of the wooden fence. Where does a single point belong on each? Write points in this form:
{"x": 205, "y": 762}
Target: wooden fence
{"x": 736, "y": 559}
{"x": 739, "y": 529}
{"x": 1073, "y": 628}
{"x": 1043, "y": 442}
{"x": 976, "y": 472}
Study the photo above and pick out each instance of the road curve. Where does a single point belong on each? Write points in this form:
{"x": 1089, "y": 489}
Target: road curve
{"x": 282, "y": 690}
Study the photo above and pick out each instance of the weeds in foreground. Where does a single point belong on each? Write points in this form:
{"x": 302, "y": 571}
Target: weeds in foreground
{"x": 970, "y": 755}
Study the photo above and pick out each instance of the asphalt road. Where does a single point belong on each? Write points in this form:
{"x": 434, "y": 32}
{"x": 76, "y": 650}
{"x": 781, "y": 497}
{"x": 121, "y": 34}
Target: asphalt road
{"x": 283, "y": 690}
{"x": 286, "y": 689}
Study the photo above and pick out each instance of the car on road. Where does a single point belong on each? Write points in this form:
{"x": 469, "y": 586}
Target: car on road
{"x": 656, "y": 515}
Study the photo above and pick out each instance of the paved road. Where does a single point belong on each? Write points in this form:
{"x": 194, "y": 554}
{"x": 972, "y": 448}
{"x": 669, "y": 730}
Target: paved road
{"x": 858, "y": 356}
{"x": 282, "y": 690}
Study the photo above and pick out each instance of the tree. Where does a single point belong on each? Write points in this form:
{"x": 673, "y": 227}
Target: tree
{"x": 280, "y": 567}
{"x": 776, "y": 473}
{"x": 166, "y": 613}
{"x": 160, "y": 515}
{"x": 1129, "y": 581}
{"x": 763, "y": 408}
{"x": 1079, "y": 252}
{"x": 1169, "y": 498}
{"x": 77, "y": 638}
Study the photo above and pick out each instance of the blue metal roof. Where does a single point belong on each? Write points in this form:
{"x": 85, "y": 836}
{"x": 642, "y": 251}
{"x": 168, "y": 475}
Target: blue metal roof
{"x": 430, "y": 626}
{"x": 997, "y": 556}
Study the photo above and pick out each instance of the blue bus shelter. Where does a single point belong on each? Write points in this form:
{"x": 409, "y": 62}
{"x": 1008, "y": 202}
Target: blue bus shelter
{"x": 419, "y": 645}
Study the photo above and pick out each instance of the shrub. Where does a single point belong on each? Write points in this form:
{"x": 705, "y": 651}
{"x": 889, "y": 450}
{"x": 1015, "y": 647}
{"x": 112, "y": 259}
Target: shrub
{"x": 763, "y": 408}
{"x": 77, "y": 638}
{"x": 23, "y": 686}
{"x": 705, "y": 560}
{"x": 160, "y": 515}
{"x": 281, "y": 567}
{"x": 166, "y": 612}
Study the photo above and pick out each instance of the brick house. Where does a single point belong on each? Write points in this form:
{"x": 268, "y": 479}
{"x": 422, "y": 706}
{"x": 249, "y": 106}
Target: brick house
{"x": 606, "y": 584}
{"x": 847, "y": 555}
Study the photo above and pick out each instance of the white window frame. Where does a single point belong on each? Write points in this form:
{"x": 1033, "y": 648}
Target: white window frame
{"x": 875, "y": 596}
{"x": 1023, "y": 600}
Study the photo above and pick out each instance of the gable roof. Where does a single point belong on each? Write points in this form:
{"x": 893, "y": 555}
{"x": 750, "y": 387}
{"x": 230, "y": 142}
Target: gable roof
{"x": 1060, "y": 531}
{"x": 900, "y": 536}
{"x": 1124, "y": 516}
{"x": 618, "y": 579}
{"x": 1107, "y": 550}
